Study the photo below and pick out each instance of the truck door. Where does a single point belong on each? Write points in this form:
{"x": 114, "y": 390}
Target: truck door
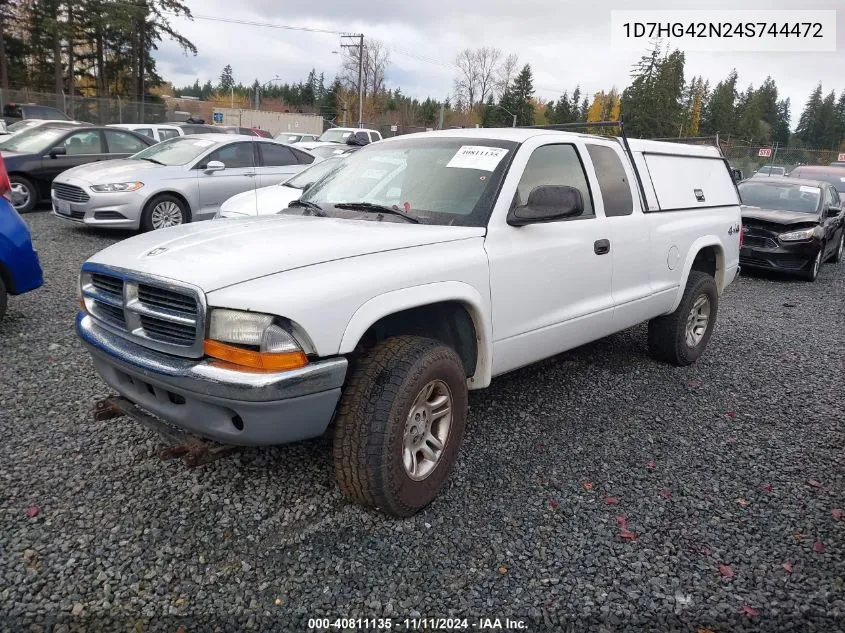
{"x": 629, "y": 233}
{"x": 550, "y": 283}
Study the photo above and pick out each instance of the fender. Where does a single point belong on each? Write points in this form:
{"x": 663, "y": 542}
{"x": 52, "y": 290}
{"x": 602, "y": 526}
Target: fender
{"x": 416, "y": 296}
{"x": 697, "y": 245}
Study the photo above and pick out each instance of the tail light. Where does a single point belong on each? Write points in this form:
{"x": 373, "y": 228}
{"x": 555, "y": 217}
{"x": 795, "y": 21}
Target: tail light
{"x": 5, "y": 185}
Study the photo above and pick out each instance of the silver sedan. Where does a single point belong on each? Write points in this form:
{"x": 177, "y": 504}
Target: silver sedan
{"x": 180, "y": 180}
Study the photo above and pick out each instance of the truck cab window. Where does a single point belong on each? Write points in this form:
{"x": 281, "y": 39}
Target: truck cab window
{"x": 613, "y": 182}
{"x": 555, "y": 165}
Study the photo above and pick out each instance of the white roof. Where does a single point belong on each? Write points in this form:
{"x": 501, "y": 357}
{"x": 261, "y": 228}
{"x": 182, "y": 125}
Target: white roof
{"x": 520, "y": 135}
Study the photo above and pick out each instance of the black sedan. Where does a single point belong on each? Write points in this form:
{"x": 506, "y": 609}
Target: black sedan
{"x": 791, "y": 225}
{"x": 34, "y": 157}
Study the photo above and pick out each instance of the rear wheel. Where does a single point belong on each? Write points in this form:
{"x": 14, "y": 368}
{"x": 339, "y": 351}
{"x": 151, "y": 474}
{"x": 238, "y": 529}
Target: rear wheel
{"x": 400, "y": 424}
{"x": 162, "y": 212}
{"x": 680, "y": 338}
{"x": 24, "y": 194}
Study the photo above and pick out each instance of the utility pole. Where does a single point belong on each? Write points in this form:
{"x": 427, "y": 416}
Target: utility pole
{"x": 360, "y": 46}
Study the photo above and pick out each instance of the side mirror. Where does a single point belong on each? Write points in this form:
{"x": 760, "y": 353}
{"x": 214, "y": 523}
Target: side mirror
{"x": 737, "y": 174}
{"x": 59, "y": 150}
{"x": 547, "y": 204}
{"x": 359, "y": 139}
{"x": 215, "y": 165}
{"x": 832, "y": 212}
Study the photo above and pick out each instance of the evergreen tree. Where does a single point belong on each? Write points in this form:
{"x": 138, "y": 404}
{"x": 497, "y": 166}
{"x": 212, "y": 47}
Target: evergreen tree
{"x": 522, "y": 94}
{"x": 227, "y": 79}
{"x": 810, "y": 128}
{"x": 488, "y": 113}
{"x": 720, "y": 108}
{"x": 780, "y": 130}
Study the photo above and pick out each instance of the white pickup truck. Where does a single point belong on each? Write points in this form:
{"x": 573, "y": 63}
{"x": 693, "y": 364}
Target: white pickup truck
{"x": 425, "y": 266}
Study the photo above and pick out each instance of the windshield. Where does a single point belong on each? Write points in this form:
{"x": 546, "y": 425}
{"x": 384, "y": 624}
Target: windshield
{"x": 335, "y": 135}
{"x": 308, "y": 177}
{"x": 175, "y": 151}
{"x": 780, "y": 197}
{"x": 20, "y": 126}
{"x": 437, "y": 180}
{"x": 772, "y": 171}
{"x": 35, "y": 140}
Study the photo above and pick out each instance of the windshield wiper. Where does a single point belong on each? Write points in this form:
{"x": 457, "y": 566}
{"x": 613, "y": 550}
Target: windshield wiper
{"x": 376, "y": 208}
{"x": 152, "y": 160}
{"x": 316, "y": 209}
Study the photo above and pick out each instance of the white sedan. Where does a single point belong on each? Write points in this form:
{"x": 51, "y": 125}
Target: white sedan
{"x": 269, "y": 200}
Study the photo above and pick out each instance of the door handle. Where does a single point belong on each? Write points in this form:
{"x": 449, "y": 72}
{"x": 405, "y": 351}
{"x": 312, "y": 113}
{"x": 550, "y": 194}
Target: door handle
{"x": 601, "y": 247}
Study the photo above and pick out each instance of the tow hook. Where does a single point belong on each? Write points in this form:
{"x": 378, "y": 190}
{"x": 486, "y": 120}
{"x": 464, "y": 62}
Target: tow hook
{"x": 194, "y": 450}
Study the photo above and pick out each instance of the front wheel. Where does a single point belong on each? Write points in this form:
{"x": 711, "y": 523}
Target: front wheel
{"x": 400, "y": 424}
{"x": 812, "y": 272}
{"x": 680, "y": 338}
{"x": 162, "y": 212}
{"x": 24, "y": 194}
{"x": 837, "y": 254}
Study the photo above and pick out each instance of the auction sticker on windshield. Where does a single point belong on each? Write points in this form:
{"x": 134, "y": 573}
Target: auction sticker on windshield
{"x": 477, "y": 157}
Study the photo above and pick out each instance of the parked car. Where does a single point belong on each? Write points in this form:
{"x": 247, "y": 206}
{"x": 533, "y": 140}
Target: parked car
{"x": 14, "y": 112}
{"x": 832, "y": 175}
{"x": 235, "y": 129}
{"x": 791, "y": 225}
{"x": 262, "y": 133}
{"x": 35, "y": 157}
{"x": 31, "y": 124}
{"x": 487, "y": 251}
{"x": 771, "y": 170}
{"x": 156, "y": 131}
{"x": 342, "y": 135}
{"x": 270, "y": 200}
{"x": 332, "y": 150}
{"x": 196, "y": 128}
{"x": 290, "y": 139}
{"x": 180, "y": 180}
{"x": 20, "y": 271}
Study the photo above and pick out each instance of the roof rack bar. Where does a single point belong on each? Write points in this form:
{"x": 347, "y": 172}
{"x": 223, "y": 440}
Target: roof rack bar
{"x": 570, "y": 126}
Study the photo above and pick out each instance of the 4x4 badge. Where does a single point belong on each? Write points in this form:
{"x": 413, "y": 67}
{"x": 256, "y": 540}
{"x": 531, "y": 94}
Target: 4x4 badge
{"x": 734, "y": 229}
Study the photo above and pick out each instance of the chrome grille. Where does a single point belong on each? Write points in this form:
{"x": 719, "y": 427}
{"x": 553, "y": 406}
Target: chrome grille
{"x": 71, "y": 193}
{"x": 159, "y": 314}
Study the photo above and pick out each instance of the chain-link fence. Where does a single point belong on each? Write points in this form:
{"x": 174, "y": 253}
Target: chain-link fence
{"x": 91, "y": 109}
{"x": 750, "y": 158}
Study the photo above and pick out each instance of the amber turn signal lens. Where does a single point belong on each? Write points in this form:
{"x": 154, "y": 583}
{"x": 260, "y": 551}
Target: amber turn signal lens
{"x": 255, "y": 360}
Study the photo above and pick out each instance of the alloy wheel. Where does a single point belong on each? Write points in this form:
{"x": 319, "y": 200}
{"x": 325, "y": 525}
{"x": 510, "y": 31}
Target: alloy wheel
{"x": 166, "y": 213}
{"x": 697, "y": 320}
{"x": 427, "y": 430}
{"x": 20, "y": 195}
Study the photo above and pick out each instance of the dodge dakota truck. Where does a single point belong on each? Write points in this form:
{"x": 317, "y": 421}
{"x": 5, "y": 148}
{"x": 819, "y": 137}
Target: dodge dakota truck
{"x": 424, "y": 267}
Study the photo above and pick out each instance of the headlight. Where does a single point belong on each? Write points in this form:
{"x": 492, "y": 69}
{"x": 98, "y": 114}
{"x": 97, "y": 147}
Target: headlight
{"x": 794, "y": 236}
{"x": 117, "y": 186}
{"x": 254, "y": 340}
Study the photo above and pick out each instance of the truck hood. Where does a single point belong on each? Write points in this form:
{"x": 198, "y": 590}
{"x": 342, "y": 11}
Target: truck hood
{"x": 774, "y": 216}
{"x": 119, "y": 170}
{"x": 220, "y": 253}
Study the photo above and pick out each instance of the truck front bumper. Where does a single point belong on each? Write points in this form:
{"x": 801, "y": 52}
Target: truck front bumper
{"x": 230, "y": 406}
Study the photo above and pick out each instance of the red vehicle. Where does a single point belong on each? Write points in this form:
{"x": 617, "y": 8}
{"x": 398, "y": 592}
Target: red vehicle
{"x": 262, "y": 133}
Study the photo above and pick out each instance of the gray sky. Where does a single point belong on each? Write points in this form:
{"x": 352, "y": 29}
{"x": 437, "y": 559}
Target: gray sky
{"x": 567, "y": 42}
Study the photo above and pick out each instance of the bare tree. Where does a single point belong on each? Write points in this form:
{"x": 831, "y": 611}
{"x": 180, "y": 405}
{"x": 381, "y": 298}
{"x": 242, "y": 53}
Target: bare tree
{"x": 506, "y": 71}
{"x": 467, "y": 81}
{"x": 487, "y": 61}
{"x": 376, "y": 60}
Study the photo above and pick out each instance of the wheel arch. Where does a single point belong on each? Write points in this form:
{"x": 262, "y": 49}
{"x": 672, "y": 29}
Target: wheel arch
{"x": 450, "y": 311}
{"x": 706, "y": 255}
{"x": 169, "y": 192}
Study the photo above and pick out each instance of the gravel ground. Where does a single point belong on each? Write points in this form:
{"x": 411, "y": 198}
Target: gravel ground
{"x": 599, "y": 489}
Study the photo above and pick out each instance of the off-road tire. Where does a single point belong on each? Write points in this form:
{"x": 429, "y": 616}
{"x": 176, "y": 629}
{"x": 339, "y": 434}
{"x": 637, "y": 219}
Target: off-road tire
{"x": 667, "y": 334}
{"x": 370, "y": 424}
{"x": 16, "y": 179}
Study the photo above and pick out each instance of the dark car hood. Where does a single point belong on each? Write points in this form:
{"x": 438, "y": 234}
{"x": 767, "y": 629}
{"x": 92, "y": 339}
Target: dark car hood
{"x": 774, "y": 216}
{"x": 7, "y": 156}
